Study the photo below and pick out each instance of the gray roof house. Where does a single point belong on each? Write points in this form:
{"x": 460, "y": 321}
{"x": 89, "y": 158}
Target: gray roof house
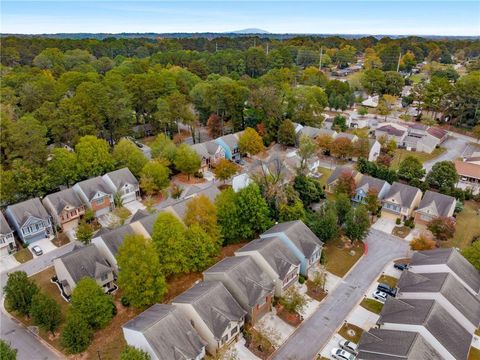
{"x": 275, "y": 259}
{"x": 433, "y": 205}
{"x": 96, "y": 194}
{"x": 7, "y": 241}
{"x": 209, "y": 152}
{"x": 30, "y": 220}
{"x": 447, "y": 261}
{"x": 339, "y": 170}
{"x": 246, "y": 281}
{"x": 447, "y": 290}
{"x": 83, "y": 262}
{"x": 123, "y": 182}
{"x": 381, "y": 344}
{"x": 300, "y": 240}
{"x": 213, "y": 312}
{"x": 400, "y": 201}
{"x": 109, "y": 242}
{"x": 66, "y": 208}
{"x": 165, "y": 334}
{"x": 427, "y": 317}
{"x": 229, "y": 143}
{"x": 367, "y": 183}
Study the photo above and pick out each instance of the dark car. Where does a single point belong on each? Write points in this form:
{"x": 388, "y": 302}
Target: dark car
{"x": 400, "y": 267}
{"x": 387, "y": 289}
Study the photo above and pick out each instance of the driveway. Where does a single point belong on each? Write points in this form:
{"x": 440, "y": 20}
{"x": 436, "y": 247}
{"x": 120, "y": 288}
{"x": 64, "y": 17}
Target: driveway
{"x": 384, "y": 224}
{"x": 455, "y": 147}
{"x": 45, "y": 244}
{"x": 8, "y": 262}
{"x": 316, "y": 331}
{"x": 134, "y": 206}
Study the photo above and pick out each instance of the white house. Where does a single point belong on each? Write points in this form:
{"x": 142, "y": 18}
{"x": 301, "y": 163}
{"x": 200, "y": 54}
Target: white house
{"x": 123, "y": 182}
{"x": 7, "y": 241}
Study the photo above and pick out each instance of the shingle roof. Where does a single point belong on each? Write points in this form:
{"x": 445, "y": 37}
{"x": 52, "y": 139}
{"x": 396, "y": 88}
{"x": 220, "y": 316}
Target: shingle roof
{"x": 391, "y": 130}
{"x": 148, "y": 221}
{"x": 436, "y": 204}
{"x": 368, "y": 182}
{"x": 64, "y": 198}
{"x": 382, "y": 344}
{"x": 250, "y": 279}
{"x": 467, "y": 169}
{"x": 231, "y": 140}
{"x": 437, "y": 132}
{"x": 454, "y": 260}
{"x": 402, "y": 194}
{"x": 91, "y": 186}
{"x": 85, "y": 262}
{"x": 139, "y": 214}
{"x": 168, "y": 333}
{"x": 214, "y": 304}
{"x": 114, "y": 238}
{"x": 275, "y": 252}
{"x": 348, "y": 136}
{"x": 338, "y": 171}
{"x": 121, "y": 177}
{"x": 4, "y": 227}
{"x": 433, "y": 317}
{"x": 310, "y": 131}
{"x": 32, "y": 207}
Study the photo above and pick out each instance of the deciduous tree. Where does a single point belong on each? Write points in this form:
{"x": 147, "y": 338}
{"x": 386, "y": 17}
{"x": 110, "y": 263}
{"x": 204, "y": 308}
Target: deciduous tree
{"x": 93, "y": 154}
{"x": 357, "y": 223}
{"x": 154, "y": 177}
{"x": 411, "y": 168}
{"x": 286, "y": 133}
{"x": 127, "y": 154}
{"x": 76, "y": 334}
{"x": 186, "y": 160}
{"x": 45, "y": 312}
{"x": 6, "y": 352}
{"x": 345, "y": 184}
{"x": 306, "y": 150}
{"x": 84, "y": 232}
{"x": 202, "y": 248}
{"x": 472, "y": 254}
{"x": 224, "y": 169}
{"x": 250, "y": 142}
{"x": 442, "y": 227}
{"x": 423, "y": 242}
{"x": 19, "y": 292}
{"x": 201, "y": 211}
{"x": 343, "y": 205}
{"x": 443, "y": 176}
{"x": 341, "y": 148}
{"x": 132, "y": 353}
{"x": 228, "y": 220}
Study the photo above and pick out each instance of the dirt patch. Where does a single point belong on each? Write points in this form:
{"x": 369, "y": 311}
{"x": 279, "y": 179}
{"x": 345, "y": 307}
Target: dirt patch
{"x": 60, "y": 240}
{"x": 229, "y": 250}
{"x": 401, "y": 231}
{"x": 183, "y": 179}
{"x": 23, "y": 255}
{"x": 258, "y": 343}
{"x": 315, "y": 293}
{"x": 179, "y": 283}
{"x": 290, "y": 318}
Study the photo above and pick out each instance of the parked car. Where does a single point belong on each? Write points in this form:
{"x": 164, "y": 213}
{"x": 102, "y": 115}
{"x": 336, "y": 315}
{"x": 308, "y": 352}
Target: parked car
{"x": 348, "y": 346}
{"x": 240, "y": 162}
{"x": 387, "y": 289}
{"x": 37, "y": 250}
{"x": 340, "y": 354}
{"x": 380, "y": 296}
{"x": 401, "y": 266}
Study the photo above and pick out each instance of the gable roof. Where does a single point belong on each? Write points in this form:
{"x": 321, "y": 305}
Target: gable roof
{"x": 310, "y": 131}
{"x": 205, "y": 149}
{"x": 139, "y": 214}
{"x": 391, "y": 130}
{"x": 382, "y": 344}
{"x": 402, "y": 194}
{"x": 348, "y": 136}
{"x": 168, "y": 333}
{"x": 436, "y": 204}
{"x": 61, "y": 199}
{"x": 433, "y": 317}
{"x": 340, "y": 170}
{"x": 23, "y": 210}
{"x": 85, "y": 262}
{"x": 467, "y": 169}
{"x": 368, "y": 182}
{"x": 231, "y": 140}
{"x": 214, "y": 304}
{"x": 246, "y": 275}
{"x": 4, "y": 227}
{"x": 121, "y": 177}
{"x": 148, "y": 221}
{"x": 437, "y": 132}
{"x": 275, "y": 252}
{"x": 91, "y": 186}
{"x": 454, "y": 260}
{"x": 114, "y": 238}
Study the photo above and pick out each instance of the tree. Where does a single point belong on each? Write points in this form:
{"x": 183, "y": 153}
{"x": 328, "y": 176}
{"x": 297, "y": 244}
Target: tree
{"x": 6, "y": 352}
{"x": 286, "y": 133}
{"x": 84, "y": 232}
{"x": 305, "y": 104}
{"x": 45, "y": 312}
{"x": 214, "y": 125}
{"x": 224, "y": 169}
{"x": 227, "y": 212}
{"x": 186, "y": 160}
{"x": 253, "y": 212}
{"x": 127, "y": 154}
{"x": 76, "y": 334}
{"x": 202, "y": 248}
{"x": 290, "y": 212}
{"x": 346, "y": 184}
{"x": 411, "y": 168}
{"x": 19, "y": 292}
{"x": 306, "y": 150}
{"x": 293, "y": 301}
{"x": 339, "y": 123}
{"x": 201, "y": 211}
{"x": 94, "y": 158}
{"x": 443, "y": 176}
{"x": 154, "y": 177}
{"x": 343, "y": 206}
{"x": 309, "y": 190}
{"x": 140, "y": 278}
{"x": 90, "y": 303}
{"x": 423, "y": 242}
{"x": 324, "y": 223}
{"x": 341, "y": 147}
{"x": 357, "y": 223}
{"x": 372, "y": 202}
{"x": 442, "y": 227}
{"x": 324, "y": 143}
{"x": 164, "y": 148}
{"x": 132, "y": 353}
{"x": 472, "y": 254}
{"x": 362, "y": 111}
{"x": 250, "y": 142}
{"x": 63, "y": 167}
{"x": 476, "y": 132}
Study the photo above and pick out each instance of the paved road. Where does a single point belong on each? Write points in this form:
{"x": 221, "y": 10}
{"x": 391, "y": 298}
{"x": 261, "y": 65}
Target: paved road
{"x": 455, "y": 147}
{"x": 316, "y": 331}
{"x": 28, "y": 346}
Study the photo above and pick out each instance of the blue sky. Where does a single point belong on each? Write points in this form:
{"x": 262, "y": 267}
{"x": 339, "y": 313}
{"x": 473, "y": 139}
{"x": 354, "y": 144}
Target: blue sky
{"x": 326, "y": 17}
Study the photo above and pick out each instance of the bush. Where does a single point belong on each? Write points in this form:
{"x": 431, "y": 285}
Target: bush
{"x": 398, "y": 221}
{"x": 125, "y": 302}
{"x": 198, "y": 175}
{"x": 301, "y": 279}
{"x": 409, "y": 223}
{"x": 76, "y": 335}
{"x": 6, "y": 352}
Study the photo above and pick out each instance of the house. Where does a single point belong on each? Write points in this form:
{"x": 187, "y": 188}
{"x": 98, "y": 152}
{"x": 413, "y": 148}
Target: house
{"x": 394, "y": 345}
{"x": 165, "y": 334}
{"x": 434, "y": 205}
{"x": 339, "y": 170}
{"x": 374, "y": 150}
{"x": 96, "y": 194}
{"x": 66, "y": 208}
{"x": 437, "y": 326}
{"x": 109, "y": 242}
{"x": 83, "y": 262}
{"x": 353, "y": 138}
{"x": 391, "y": 131}
{"x": 293, "y": 162}
{"x": 30, "y": 220}
{"x": 213, "y": 312}
{"x": 367, "y": 183}
{"x": 274, "y": 166}
{"x": 123, "y": 182}
{"x": 447, "y": 291}
{"x": 423, "y": 138}
{"x": 359, "y": 121}
{"x": 400, "y": 201}
{"x": 301, "y": 241}
{"x": 249, "y": 285}
{"x": 144, "y": 226}
{"x": 7, "y": 241}
{"x": 469, "y": 174}
{"x": 371, "y": 102}
{"x": 229, "y": 143}
{"x": 275, "y": 259}
{"x": 449, "y": 261}
{"x": 440, "y": 134}
{"x": 209, "y": 152}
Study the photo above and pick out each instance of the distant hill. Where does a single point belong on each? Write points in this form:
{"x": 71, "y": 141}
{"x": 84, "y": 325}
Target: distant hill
{"x": 249, "y": 31}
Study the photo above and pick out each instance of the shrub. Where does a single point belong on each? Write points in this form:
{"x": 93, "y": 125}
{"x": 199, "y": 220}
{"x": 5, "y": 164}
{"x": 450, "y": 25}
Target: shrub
{"x": 125, "y": 302}
{"x": 398, "y": 221}
{"x": 409, "y": 223}
{"x": 6, "y": 352}
{"x": 301, "y": 279}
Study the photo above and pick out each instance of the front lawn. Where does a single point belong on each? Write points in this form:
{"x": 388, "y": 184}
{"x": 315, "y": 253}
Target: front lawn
{"x": 468, "y": 226}
{"x": 23, "y": 255}
{"x": 340, "y": 259}
{"x": 401, "y": 154}
{"x": 372, "y": 305}
{"x": 350, "y": 328}
{"x": 389, "y": 280}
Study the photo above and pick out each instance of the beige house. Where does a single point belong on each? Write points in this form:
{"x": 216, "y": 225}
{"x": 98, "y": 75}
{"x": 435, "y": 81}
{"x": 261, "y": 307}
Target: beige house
{"x": 401, "y": 201}
{"x": 434, "y": 205}
{"x": 339, "y": 170}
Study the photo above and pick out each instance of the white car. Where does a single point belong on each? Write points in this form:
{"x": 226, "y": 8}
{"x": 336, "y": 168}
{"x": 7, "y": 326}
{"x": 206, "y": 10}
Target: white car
{"x": 380, "y": 296}
{"x": 37, "y": 250}
{"x": 340, "y": 354}
{"x": 348, "y": 346}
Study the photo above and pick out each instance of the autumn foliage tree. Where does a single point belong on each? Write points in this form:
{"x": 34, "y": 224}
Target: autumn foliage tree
{"x": 324, "y": 143}
{"x": 341, "y": 148}
{"x": 203, "y": 212}
{"x": 423, "y": 242}
{"x": 346, "y": 184}
{"x": 214, "y": 125}
{"x": 442, "y": 227}
{"x": 224, "y": 169}
{"x": 250, "y": 142}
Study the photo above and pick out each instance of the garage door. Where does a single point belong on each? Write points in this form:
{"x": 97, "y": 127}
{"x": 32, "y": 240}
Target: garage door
{"x": 129, "y": 197}
{"x": 103, "y": 211}
{"x": 389, "y": 215}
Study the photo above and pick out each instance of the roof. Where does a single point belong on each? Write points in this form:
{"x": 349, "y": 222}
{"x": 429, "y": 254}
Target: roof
{"x": 417, "y": 126}
{"x": 4, "y": 227}
{"x": 338, "y": 171}
{"x": 310, "y": 131}
{"x": 114, "y": 238}
{"x": 148, "y": 221}
{"x": 454, "y": 260}
{"x": 64, "y": 198}
{"x": 139, "y": 214}
{"x": 85, "y": 262}
{"x": 299, "y": 233}
{"x": 467, "y": 169}
{"x": 121, "y": 177}
{"x": 368, "y": 182}
{"x": 214, "y": 304}
{"x": 231, "y": 140}
{"x": 436, "y": 204}
{"x": 250, "y": 279}
{"x": 348, "y": 136}
{"x": 430, "y": 314}
{"x": 32, "y": 207}
{"x": 206, "y": 149}
{"x": 437, "y": 132}
{"x": 391, "y": 130}
{"x": 382, "y": 344}
{"x": 275, "y": 252}
{"x": 91, "y": 186}
{"x": 168, "y": 333}
{"x": 402, "y": 194}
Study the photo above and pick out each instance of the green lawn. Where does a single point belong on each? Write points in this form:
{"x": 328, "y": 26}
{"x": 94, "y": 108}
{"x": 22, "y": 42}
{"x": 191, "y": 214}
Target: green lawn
{"x": 338, "y": 259}
{"x": 23, "y": 255}
{"x": 372, "y": 305}
{"x": 389, "y": 280}
{"x": 401, "y": 154}
{"x": 468, "y": 226}
{"x": 344, "y": 332}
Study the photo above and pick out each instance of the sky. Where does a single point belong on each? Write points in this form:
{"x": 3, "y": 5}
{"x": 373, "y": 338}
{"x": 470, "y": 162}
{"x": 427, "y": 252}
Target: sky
{"x": 320, "y": 17}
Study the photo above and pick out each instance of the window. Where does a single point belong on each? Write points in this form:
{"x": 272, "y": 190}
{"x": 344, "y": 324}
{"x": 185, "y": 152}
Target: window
{"x": 234, "y": 331}
{"x": 224, "y": 339}
{"x": 99, "y": 201}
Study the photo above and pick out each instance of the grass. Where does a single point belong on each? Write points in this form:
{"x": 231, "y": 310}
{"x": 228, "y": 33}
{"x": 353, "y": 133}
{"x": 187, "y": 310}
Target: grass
{"x": 361, "y": 133}
{"x": 344, "y": 332}
{"x": 372, "y": 305}
{"x": 338, "y": 258}
{"x": 401, "y": 231}
{"x": 474, "y": 354}
{"x": 468, "y": 226}
{"x": 60, "y": 240}
{"x": 123, "y": 214}
{"x": 325, "y": 175}
{"x": 389, "y": 280}
{"x": 401, "y": 154}
{"x": 23, "y": 255}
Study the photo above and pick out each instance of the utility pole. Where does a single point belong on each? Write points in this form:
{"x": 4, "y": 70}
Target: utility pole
{"x": 399, "y": 58}
{"x": 267, "y": 49}
{"x": 320, "y": 64}
{"x": 254, "y": 42}
{"x": 216, "y": 46}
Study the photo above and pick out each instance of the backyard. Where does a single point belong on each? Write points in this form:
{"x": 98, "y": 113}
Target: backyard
{"x": 340, "y": 259}
{"x": 468, "y": 226}
{"x": 401, "y": 154}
